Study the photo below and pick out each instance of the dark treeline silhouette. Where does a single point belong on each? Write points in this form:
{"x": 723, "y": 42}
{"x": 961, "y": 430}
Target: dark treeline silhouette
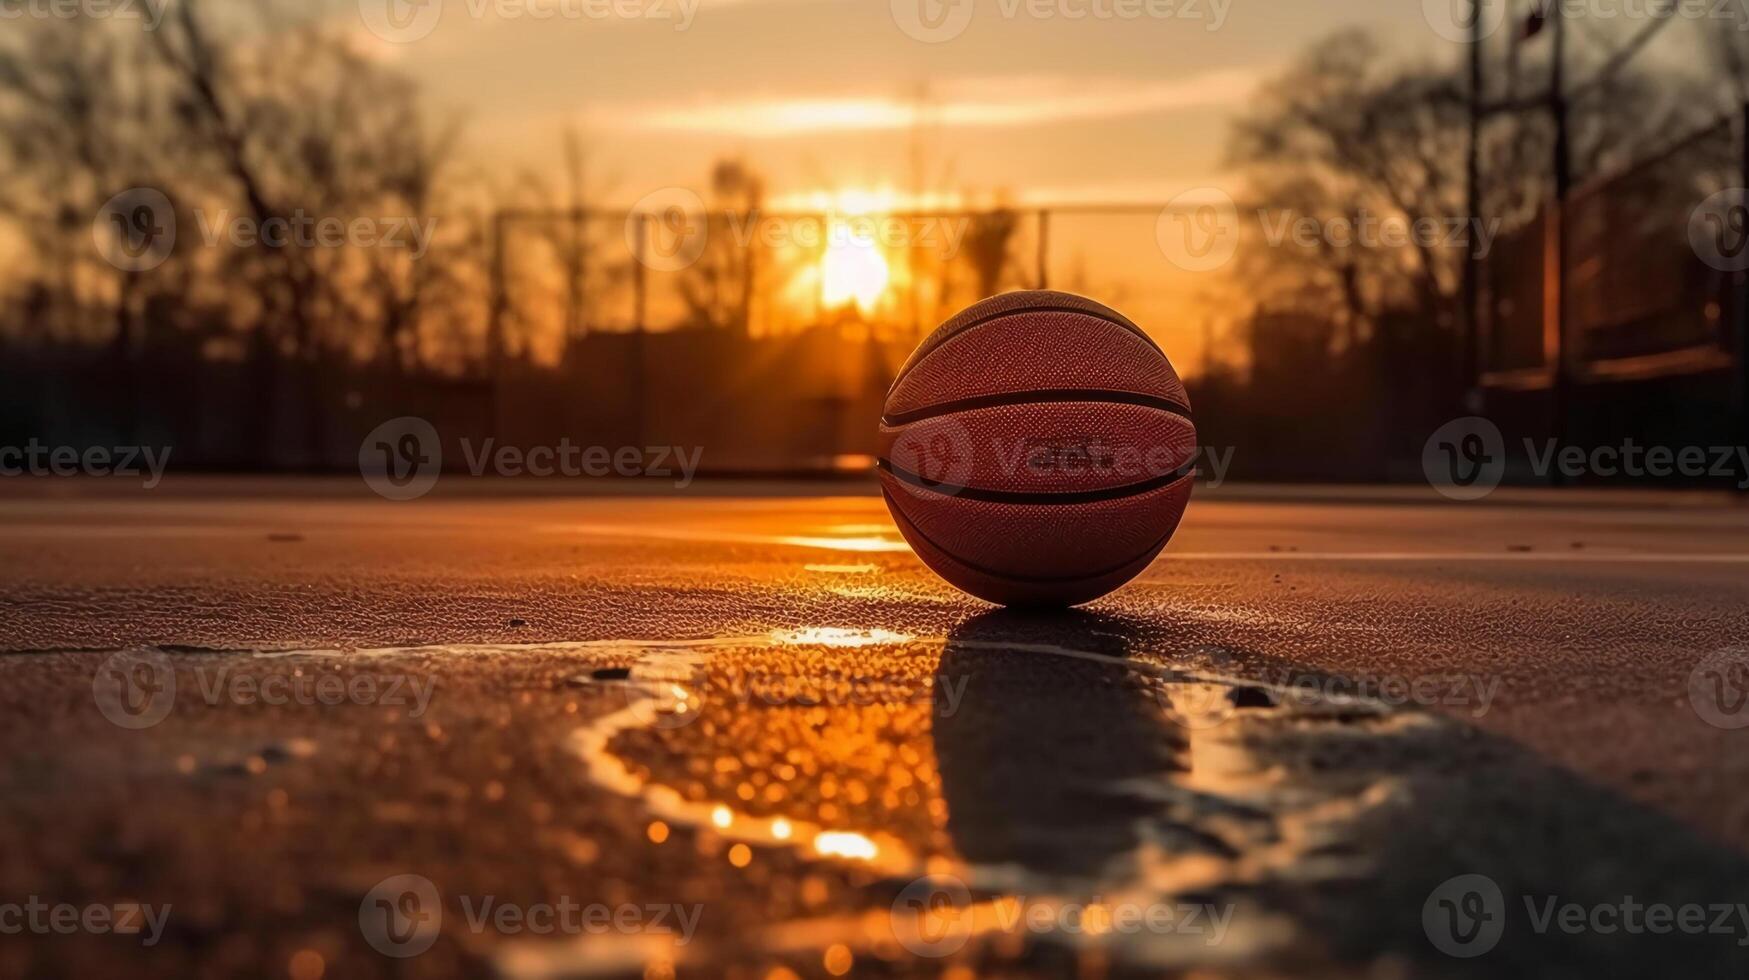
{"x": 246, "y": 355}
{"x": 1356, "y": 351}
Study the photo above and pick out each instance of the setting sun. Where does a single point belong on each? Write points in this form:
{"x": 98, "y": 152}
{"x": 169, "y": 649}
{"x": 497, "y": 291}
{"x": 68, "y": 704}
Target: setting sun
{"x": 853, "y": 270}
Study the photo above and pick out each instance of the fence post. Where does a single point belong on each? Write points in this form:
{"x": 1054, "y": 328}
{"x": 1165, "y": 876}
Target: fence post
{"x": 1471, "y": 356}
{"x": 500, "y": 297}
{"x": 640, "y": 291}
{"x": 1044, "y": 249}
{"x": 1556, "y": 270}
{"x": 1740, "y": 290}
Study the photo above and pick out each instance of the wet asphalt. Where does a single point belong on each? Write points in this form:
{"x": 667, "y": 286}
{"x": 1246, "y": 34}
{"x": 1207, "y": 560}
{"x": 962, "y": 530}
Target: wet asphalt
{"x": 287, "y": 728}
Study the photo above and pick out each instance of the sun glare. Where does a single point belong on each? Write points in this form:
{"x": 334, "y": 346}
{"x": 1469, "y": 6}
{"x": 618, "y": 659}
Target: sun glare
{"x": 852, "y": 271}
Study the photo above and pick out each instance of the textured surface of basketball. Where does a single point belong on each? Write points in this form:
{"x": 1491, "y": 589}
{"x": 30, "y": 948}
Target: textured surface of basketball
{"x": 1037, "y": 449}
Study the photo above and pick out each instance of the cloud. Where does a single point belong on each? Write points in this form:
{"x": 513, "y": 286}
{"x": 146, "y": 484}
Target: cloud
{"x": 1003, "y": 101}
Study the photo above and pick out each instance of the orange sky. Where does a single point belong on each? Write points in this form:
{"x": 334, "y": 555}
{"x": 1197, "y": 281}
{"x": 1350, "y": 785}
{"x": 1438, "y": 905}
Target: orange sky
{"x": 1044, "y": 101}
{"x": 825, "y": 92}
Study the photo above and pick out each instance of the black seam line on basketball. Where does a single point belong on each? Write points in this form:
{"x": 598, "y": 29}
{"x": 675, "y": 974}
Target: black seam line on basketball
{"x": 1049, "y": 396}
{"x": 1153, "y": 549}
{"x": 1037, "y": 497}
{"x": 923, "y": 355}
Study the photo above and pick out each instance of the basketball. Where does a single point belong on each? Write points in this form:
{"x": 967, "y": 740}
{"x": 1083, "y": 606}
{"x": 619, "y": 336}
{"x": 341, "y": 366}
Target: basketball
{"x": 1037, "y": 449}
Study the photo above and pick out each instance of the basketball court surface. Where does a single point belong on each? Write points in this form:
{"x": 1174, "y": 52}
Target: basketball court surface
{"x": 1328, "y": 732}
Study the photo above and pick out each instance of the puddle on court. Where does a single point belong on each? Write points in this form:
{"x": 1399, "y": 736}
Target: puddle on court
{"x": 992, "y": 802}
{"x": 1006, "y": 799}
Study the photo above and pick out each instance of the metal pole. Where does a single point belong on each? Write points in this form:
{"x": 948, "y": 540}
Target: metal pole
{"x": 1740, "y": 287}
{"x": 1556, "y": 280}
{"x": 640, "y": 267}
{"x": 1472, "y": 322}
{"x": 495, "y": 322}
{"x": 1044, "y": 249}
{"x": 578, "y": 324}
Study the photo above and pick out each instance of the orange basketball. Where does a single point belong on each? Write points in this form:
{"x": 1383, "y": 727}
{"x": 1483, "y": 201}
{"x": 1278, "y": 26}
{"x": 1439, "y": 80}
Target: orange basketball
{"x": 1037, "y": 449}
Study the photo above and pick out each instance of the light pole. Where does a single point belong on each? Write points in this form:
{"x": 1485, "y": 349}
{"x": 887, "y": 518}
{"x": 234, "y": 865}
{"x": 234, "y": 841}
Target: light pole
{"x": 1555, "y": 283}
{"x": 1471, "y": 365}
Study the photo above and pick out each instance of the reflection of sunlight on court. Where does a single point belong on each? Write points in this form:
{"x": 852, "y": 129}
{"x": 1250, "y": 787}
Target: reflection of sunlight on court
{"x": 820, "y": 743}
{"x": 829, "y": 636}
{"x": 846, "y": 844}
{"x": 875, "y": 543}
{"x": 870, "y": 545}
